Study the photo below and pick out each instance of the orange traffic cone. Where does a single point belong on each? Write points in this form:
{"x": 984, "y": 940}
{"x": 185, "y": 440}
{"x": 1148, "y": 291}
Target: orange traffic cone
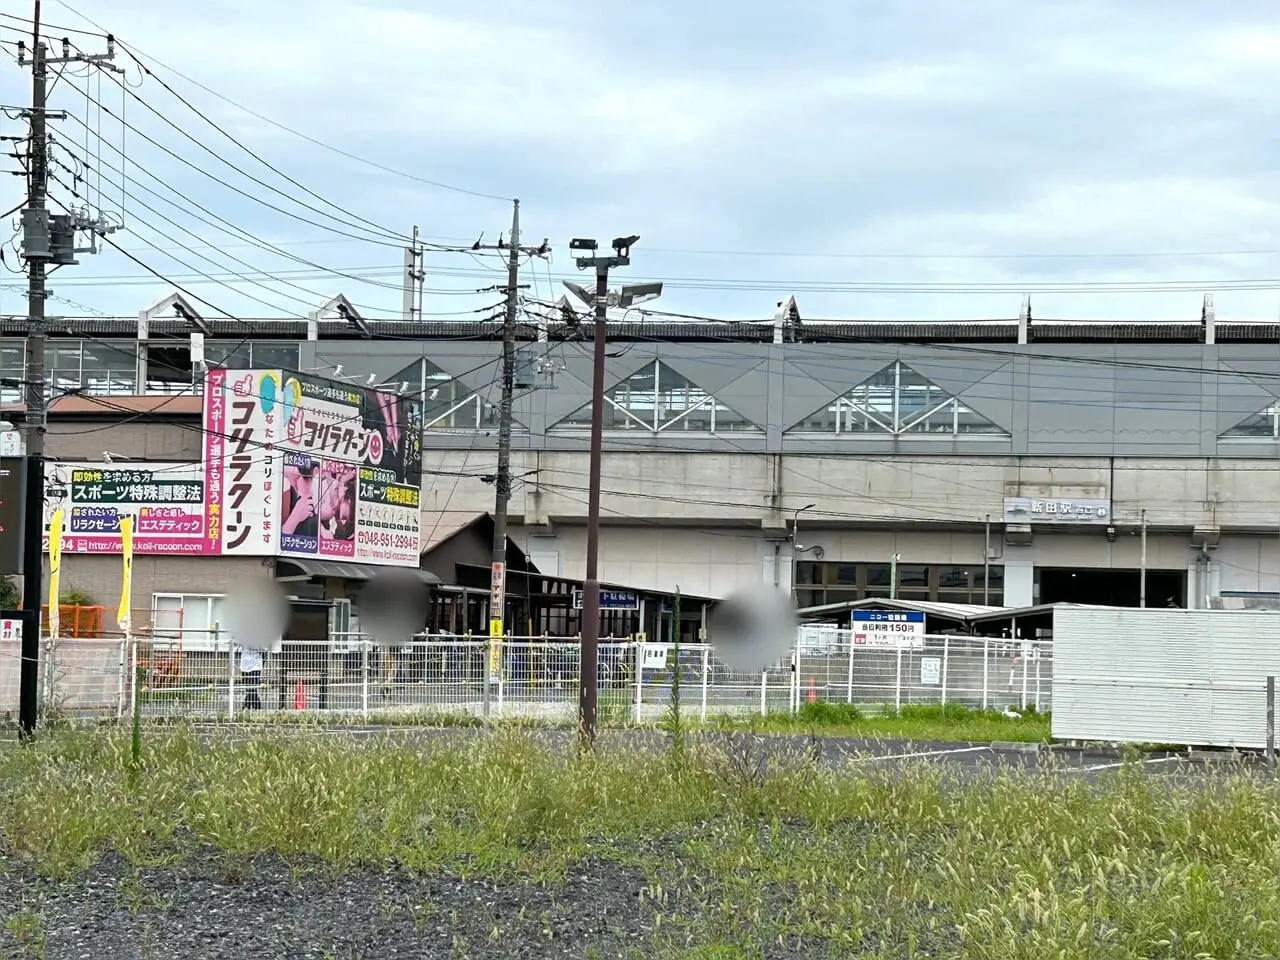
{"x": 813, "y": 692}
{"x": 299, "y": 695}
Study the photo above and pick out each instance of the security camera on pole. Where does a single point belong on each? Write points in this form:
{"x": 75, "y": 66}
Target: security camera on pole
{"x": 587, "y": 258}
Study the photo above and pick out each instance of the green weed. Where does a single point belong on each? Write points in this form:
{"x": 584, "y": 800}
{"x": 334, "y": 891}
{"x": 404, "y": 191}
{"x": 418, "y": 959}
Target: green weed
{"x": 741, "y": 850}
{"x": 950, "y": 722}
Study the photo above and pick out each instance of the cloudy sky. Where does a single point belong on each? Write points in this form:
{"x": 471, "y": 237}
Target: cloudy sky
{"x": 875, "y": 159}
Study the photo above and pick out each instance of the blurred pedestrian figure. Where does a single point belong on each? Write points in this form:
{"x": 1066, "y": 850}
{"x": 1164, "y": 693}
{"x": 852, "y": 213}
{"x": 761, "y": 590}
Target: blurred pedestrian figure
{"x": 251, "y": 676}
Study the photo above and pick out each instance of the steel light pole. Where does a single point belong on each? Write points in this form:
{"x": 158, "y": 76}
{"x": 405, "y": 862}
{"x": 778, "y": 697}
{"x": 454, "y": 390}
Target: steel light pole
{"x": 587, "y": 258}
{"x": 796, "y": 549}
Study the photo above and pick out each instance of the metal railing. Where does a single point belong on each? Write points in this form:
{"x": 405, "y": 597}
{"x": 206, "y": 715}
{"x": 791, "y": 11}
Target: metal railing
{"x": 987, "y": 673}
{"x": 534, "y": 678}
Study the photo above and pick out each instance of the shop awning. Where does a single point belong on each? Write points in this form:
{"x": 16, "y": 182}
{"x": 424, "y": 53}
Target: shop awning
{"x": 340, "y": 569}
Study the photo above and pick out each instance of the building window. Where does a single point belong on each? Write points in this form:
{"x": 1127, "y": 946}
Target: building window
{"x": 265, "y": 355}
{"x": 448, "y": 404}
{"x": 189, "y": 619}
{"x": 13, "y": 366}
{"x": 658, "y": 399}
{"x": 1264, "y": 425}
{"x": 834, "y": 581}
{"x": 897, "y": 401}
{"x": 94, "y": 366}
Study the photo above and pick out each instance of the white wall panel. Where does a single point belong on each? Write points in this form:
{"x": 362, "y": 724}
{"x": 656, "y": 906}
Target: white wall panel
{"x": 1163, "y": 676}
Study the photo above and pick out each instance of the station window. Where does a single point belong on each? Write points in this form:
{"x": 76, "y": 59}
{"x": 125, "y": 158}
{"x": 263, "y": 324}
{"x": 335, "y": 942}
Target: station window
{"x": 828, "y": 582}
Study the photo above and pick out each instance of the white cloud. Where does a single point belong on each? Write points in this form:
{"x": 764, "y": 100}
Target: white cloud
{"x": 918, "y": 127}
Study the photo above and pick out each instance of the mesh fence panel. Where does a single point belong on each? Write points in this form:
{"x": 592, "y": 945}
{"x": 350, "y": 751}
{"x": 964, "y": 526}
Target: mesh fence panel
{"x": 200, "y": 675}
{"x": 977, "y": 672}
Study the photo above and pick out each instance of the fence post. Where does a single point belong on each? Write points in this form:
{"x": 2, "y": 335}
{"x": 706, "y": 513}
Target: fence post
{"x": 1026, "y": 652}
{"x": 764, "y": 692}
{"x": 1271, "y": 720}
{"x": 486, "y": 674}
{"x": 1037, "y": 700}
{"x": 639, "y": 680}
{"x": 897, "y": 682}
{"x": 133, "y": 676}
{"x": 794, "y": 694}
{"x": 47, "y": 667}
{"x": 364, "y": 678}
{"x": 946, "y": 662}
{"x": 124, "y": 665}
{"x": 502, "y": 672}
{"x": 986, "y": 651}
{"x": 706, "y": 670}
{"x": 231, "y": 673}
{"x": 849, "y": 679}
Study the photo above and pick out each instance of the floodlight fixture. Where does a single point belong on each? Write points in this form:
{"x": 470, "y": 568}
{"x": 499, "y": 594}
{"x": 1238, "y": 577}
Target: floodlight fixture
{"x": 581, "y": 292}
{"x": 581, "y": 243}
{"x": 629, "y": 296}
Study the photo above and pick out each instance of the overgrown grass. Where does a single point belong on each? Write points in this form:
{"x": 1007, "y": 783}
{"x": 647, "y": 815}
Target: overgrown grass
{"x": 950, "y": 722}
{"x": 740, "y": 852}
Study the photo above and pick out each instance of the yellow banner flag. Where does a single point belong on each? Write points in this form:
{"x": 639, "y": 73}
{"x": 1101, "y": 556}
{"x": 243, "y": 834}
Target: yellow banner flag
{"x": 55, "y": 572}
{"x": 124, "y": 614}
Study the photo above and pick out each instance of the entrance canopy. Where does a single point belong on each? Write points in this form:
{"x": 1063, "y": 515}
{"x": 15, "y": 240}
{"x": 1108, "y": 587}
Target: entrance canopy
{"x": 339, "y": 569}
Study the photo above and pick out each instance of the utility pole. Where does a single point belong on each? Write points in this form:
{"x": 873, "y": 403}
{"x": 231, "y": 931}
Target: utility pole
{"x": 502, "y": 477}
{"x": 48, "y": 242}
{"x": 587, "y": 259}
{"x": 414, "y": 274}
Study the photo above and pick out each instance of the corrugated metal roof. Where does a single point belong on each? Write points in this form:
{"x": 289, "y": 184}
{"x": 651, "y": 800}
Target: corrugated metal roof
{"x": 440, "y": 525}
{"x": 811, "y": 330}
{"x": 959, "y": 612}
{"x": 124, "y": 405}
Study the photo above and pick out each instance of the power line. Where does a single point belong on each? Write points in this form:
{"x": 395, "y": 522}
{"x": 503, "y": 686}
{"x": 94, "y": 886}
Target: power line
{"x": 277, "y": 171}
{"x": 136, "y": 52}
{"x": 47, "y": 26}
{"x": 312, "y": 296}
{"x": 900, "y": 255}
{"x": 780, "y": 287}
{"x": 231, "y": 229}
{"x": 244, "y": 193}
{"x": 178, "y": 260}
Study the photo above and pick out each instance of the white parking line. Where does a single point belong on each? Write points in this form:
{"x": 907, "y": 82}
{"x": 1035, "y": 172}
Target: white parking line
{"x": 1123, "y": 763}
{"x": 925, "y": 753}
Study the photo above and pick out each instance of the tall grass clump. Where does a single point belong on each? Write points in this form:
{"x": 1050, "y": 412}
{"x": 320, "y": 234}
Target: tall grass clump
{"x": 951, "y": 722}
{"x": 741, "y": 845}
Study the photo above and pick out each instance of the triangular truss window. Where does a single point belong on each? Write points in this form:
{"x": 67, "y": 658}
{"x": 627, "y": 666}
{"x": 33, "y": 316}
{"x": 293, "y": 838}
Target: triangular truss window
{"x": 449, "y": 405}
{"x": 659, "y": 399}
{"x": 898, "y": 401}
{"x": 1265, "y": 424}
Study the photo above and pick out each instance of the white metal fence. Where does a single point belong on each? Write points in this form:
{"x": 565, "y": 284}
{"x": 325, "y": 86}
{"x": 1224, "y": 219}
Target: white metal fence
{"x": 524, "y": 677}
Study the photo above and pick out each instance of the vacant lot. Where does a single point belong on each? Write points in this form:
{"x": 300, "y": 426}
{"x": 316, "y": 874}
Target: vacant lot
{"x": 495, "y": 846}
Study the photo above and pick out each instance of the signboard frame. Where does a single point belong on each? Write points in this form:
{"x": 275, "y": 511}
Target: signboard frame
{"x": 1065, "y": 511}
{"x": 888, "y": 628}
{"x": 305, "y": 467}
{"x": 611, "y": 599}
{"x": 12, "y": 489}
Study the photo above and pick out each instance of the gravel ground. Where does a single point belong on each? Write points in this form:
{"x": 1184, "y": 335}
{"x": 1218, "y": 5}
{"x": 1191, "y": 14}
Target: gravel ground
{"x": 212, "y": 907}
